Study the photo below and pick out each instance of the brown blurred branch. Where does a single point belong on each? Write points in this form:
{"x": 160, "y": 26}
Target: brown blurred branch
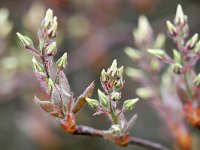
{"x": 88, "y": 131}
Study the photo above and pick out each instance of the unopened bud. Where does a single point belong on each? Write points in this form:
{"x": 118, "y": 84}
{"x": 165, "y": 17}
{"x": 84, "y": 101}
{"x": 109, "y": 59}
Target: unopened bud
{"x": 52, "y": 49}
{"x": 62, "y": 62}
{"x": 50, "y": 84}
{"x": 171, "y": 29}
{"x": 196, "y": 80}
{"x": 53, "y": 29}
{"x": 177, "y": 68}
{"x": 92, "y": 102}
{"x": 155, "y": 65}
{"x": 133, "y": 53}
{"x": 115, "y": 129}
{"x": 120, "y": 71}
{"x": 113, "y": 67}
{"x": 119, "y": 84}
{"x": 134, "y": 73}
{"x": 48, "y": 18}
{"x": 160, "y": 41}
{"x": 103, "y": 75}
{"x": 177, "y": 56}
{"x": 191, "y": 43}
{"x": 159, "y": 53}
{"x": 37, "y": 66}
{"x": 129, "y": 104}
{"x": 180, "y": 17}
{"x": 103, "y": 98}
{"x": 197, "y": 47}
{"x": 145, "y": 93}
{"x": 115, "y": 96}
{"x": 26, "y": 42}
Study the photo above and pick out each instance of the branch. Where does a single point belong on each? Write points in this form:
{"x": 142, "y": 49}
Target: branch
{"x": 88, "y": 131}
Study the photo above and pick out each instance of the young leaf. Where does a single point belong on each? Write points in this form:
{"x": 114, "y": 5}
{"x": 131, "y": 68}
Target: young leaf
{"x": 45, "y": 105}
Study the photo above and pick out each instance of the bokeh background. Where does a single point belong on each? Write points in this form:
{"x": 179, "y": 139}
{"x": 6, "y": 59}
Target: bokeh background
{"x": 93, "y": 32}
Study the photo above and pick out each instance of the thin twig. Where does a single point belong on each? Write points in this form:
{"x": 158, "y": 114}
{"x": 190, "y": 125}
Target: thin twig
{"x": 88, "y": 131}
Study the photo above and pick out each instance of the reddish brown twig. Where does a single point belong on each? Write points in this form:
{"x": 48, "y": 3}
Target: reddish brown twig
{"x": 88, "y": 131}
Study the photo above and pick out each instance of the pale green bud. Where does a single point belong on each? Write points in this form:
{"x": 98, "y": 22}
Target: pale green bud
{"x": 51, "y": 84}
{"x": 119, "y": 84}
{"x": 180, "y": 17}
{"x": 113, "y": 67}
{"x": 62, "y": 62}
{"x": 196, "y": 80}
{"x": 26, "y": 42}
{"x": 115, "y": 129}
{"x": 191, "y": 43}
{"x": 144, "y": 93}
{"x": 52, "y": 49}
{"x": 132, "y": 53}
{"x": 37, "y": 66}
{"x": 129, "y": 104}
{"x": 160, "y": 41}
{"x": 120, "y": 71}
{"x": 155, "y": 65}
{"x": 103, "y": 98}
{"x": 177, "y": 56}
{"x": 53, "y": 29}
{"x": 48, "y": 18}
{"x": 159, "y": 53}
{"x": 115, "y": 96}
{"x": 134, "y": 73}
{"x": 92, "y": 102}
{"x": 197, "y": 47}
{"x": 177, "y": 68}
{"x": 103, "y": 75}
{"x": 171, "y": 28}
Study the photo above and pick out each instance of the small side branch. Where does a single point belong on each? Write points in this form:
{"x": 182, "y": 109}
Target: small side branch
{"x": 88, "y": 131}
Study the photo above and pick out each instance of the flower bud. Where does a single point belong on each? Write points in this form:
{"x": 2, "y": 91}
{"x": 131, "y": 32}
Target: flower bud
{"x": 62, "y": 62}
{"x": 50, "y": 84}
{"x": 177, "y": 68}
{"x": 159, "y": 41}
{"x": 103, "y": 75}
{"x": 48, "y": 18}
{"x": 133, "y": 53}
{"x": 155, "y": 65}
{"x": 119, "y": 84}
{"x": 120, "y": 71}
{"x": 177, "y": 56}
{"x": 115, "y": 96}
{"x": 144, "y": 93}
{"x": 129, "y": 104}
{"x": 171, "y": 29}
{"x": 113, "y": 67}
{"x": 52, "y": 49}
{"x": 191, "y": 43}
{"x": 92, "y": 102}
{"x": 180, "y": 17}
{"x": 115, "y": 129}
{"x": 26, "y": 42}
{"x": 134, "y": 73}
{"x": 159, "y": 53}
{"x": 103, "y": 98}
{"x": 196, "y": 80}
{"x": 37, "y": 66}
{"x": 197, "y": 47}
{"x": 53, "y": 29}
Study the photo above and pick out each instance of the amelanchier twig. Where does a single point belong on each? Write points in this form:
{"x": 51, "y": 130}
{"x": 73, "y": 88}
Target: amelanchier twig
{"x": 62, "y": 104}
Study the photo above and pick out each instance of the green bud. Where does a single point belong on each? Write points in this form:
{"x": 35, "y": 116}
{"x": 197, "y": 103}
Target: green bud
{"x": 115, "y": 129}
{"x": 160, "y": 41}
{"x": 177, "y": 67}
{"x": 133, "y": 53}
{"x": 129, "y": 104}
{"x": 171, "y": 28}
{"x": 103, "y": 98}
{"x": 180, "y": 17}
{"x": 26, "y": 42}
{"x": 53, "y": 29}
{"x": 62, "y": 62}
{"x": 144, "y": 93}
{"x": 113, "y": 67}
{"x": 134, "y": 73}
{"x": 48, "y": 18}
{"x": 197, "y": 47}
{"x": 155, "y": 65}
{"x": 103, "y": 75}
{"x": 52, "y": 49}
{"x": 50, "y": 84}
{"x": 177, "y": 56}
{"x": 119, "y": 84}
{"x": 159, "y": 53}
{"x": 191, "y": 43}
{"x": 115, "y": 96}
{"x": 37, "y": 66}
{"x": 196, "y": 80}
{"x": 92, "y": 102}
{"x": 120, "y": 71}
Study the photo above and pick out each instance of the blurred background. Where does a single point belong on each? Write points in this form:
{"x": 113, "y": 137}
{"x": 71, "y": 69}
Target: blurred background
{"x": 93, "y": 32}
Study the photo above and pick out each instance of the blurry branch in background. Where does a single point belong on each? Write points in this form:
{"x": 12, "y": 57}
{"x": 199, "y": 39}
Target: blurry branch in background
{"x": 174, "y": 93}
{"x": 62, "y": 104}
